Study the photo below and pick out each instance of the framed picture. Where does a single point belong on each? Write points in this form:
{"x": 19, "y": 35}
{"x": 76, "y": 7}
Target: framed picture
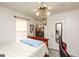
{"x": 40, "y": 32}
{"x": 31, "y": 28}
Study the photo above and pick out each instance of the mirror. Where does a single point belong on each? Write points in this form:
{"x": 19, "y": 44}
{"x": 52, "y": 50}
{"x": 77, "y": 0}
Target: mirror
{"x": 58, "y": 31}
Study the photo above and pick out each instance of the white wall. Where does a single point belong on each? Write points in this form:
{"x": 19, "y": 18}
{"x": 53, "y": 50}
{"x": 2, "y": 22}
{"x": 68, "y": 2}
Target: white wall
{"x": 70, "y": 31}
{"x": 8, "y": 25}
{"x": 50, "y": 33}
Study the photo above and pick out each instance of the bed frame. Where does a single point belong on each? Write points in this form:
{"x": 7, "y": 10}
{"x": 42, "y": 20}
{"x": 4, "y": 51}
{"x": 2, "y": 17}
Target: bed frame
{"x": 45, "y": 40}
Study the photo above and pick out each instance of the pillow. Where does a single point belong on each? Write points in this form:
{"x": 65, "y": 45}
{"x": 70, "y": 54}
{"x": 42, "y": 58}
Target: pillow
{"x": 31, "y": 42}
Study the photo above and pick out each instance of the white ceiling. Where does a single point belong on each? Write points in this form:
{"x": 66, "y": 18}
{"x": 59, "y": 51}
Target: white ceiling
{"x": 29, "y": 7}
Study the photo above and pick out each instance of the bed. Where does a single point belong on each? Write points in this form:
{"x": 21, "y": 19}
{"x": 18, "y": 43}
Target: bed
{"x": 18, "y": 49}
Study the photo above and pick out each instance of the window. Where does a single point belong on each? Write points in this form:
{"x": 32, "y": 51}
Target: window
{"x": 21, "y": 28}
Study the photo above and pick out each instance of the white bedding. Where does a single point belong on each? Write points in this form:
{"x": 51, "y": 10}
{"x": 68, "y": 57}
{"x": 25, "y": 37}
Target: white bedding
{"x": 18, "y": 49}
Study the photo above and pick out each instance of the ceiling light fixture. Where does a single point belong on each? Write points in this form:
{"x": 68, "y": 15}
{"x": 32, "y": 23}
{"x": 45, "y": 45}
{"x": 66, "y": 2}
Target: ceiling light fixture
{"x": 48, "y": 13}
{"x": 37, "y": 13}
{"x": 43, "y": 13}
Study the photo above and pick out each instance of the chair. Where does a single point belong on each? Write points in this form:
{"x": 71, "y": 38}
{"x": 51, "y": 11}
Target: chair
{"x": 63, "y": 49}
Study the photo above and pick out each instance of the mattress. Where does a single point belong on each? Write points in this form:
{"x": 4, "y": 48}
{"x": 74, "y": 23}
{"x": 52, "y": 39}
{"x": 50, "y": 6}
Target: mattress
{"x": 18, "y": 49}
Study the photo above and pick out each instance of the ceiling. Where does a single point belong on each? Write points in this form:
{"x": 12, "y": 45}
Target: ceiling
{"x": 28, "y": 8}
